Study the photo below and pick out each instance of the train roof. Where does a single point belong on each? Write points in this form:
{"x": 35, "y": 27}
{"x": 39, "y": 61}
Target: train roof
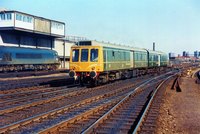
{"x": 104, "y": 44}
{"x": 11, "y": 48}
{"x": 107, "y": 44}
{"x": 156, "y": 52}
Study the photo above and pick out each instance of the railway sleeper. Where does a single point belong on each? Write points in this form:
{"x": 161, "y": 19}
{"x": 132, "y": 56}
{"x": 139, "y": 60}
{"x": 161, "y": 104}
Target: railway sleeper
{"x": 109, "y": 128}
{"x": 150, "y": 121}
{"x": 148, "y": 129}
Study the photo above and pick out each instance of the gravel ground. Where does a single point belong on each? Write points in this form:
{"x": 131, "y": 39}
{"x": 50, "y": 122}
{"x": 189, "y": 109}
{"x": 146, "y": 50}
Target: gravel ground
{"x": 180, "y": 112}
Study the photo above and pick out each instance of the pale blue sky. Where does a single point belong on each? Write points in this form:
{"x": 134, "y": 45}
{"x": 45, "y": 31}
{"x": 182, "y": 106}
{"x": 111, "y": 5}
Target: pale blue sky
{"x": 173, "y": 24}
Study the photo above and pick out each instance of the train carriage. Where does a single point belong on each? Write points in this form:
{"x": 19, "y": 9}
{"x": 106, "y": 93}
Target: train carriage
{"x": 157, "y": 59}
{"x": 140, "y": 58}
{"x": 153, "y": 59}
{"x": 163, "y": 59}
{"x": 18, "y": 58}
{"x": 93, "y": 61}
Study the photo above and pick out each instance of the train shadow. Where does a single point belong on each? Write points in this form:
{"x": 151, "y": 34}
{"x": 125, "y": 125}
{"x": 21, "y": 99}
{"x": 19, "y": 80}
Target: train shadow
{"x": 59, "y": 82}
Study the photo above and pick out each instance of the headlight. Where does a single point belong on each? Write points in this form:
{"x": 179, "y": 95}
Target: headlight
{"x": 72, "y": 74}
{"x": 93, "y": 74}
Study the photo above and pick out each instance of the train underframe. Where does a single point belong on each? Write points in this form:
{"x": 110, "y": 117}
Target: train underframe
{"x": 109, "y": 76}
{"x": 22, "y": 67}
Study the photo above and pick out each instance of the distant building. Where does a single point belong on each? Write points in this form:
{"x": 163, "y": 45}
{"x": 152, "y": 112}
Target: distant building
{"x": 172, "y": 56}
{"x": 196, "y": 54}
{"x": 185, "y": 54}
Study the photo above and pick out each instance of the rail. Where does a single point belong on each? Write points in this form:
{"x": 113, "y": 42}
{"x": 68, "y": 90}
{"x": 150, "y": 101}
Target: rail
{"x": 91, "y": 128}
{"x": 137, "y": 128}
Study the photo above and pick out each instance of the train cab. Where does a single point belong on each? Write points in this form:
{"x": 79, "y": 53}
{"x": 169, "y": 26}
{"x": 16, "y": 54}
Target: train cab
{"x": 86, "y": 61}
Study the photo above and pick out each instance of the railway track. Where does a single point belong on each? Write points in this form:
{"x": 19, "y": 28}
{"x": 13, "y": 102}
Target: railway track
{"x": 119, "y": 119}
{"x": 63, "y": 105}
{"x": 25, "y": 98}
{"x": 128, "y": 114}
{"x": 147, "y": 121}
{"x": 20, "y": 85}
{"x": 55, "y": 103}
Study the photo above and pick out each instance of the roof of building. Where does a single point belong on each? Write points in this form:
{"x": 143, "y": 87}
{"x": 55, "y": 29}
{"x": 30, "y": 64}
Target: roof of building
{"x": 14, "y": 11}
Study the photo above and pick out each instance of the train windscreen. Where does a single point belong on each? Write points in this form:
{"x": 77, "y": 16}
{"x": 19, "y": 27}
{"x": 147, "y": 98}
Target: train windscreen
{"x": 94, "y": 55}
{"x": 75, "y": 55}
{"x": 84, "y": 55}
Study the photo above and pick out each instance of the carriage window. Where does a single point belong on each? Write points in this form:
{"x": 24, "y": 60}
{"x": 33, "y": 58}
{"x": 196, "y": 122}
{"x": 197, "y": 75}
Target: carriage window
{"x": 84, "y": 55}
{"x": 94, "y": 55}
{"x": 75, "y": 55}
{"x": 113, "y": 53}
{"x": 28, "y": 56}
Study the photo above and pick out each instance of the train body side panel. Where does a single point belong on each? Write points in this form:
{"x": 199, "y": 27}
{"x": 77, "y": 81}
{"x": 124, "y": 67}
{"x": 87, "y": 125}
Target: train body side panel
{"x": 164, "y": 60}
{"x": 140, "y": 59}
{"x": 153, "y": 60}
{"x": 116, "y": 59}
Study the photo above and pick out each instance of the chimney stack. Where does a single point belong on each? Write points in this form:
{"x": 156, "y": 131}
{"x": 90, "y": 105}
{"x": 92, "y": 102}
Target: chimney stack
{"x": 154, "y": 46}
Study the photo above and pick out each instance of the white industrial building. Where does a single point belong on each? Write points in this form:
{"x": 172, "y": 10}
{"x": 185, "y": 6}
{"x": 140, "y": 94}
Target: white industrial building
{"x": 63, "y": 47}
{"x": 25, "y": 30}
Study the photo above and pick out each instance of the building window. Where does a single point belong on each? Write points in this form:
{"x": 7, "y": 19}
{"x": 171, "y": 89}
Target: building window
{"x": 5, "y": 16}
{"x": 24, "y": 18}
{"x": 8, "y": 15}
{"x": 19, "y": 17}
{"x": 2, "y": 17}
{"x": 56, "y": 25}
{"x": 29, "y": 19}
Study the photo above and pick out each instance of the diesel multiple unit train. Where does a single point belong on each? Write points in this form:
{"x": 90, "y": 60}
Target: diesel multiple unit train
{"x": 18, "y": 58}
{"x": 96, "y": 62}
